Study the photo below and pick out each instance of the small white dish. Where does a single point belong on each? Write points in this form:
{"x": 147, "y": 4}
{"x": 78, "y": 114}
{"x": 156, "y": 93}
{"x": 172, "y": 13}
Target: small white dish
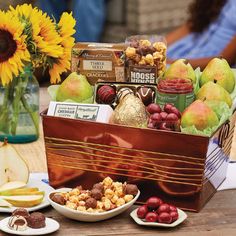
{"x": 51, "y": 226}
{"x": 42, "y": 187}
{"x": 182, "y": 217}
{"x": 87, "y": 216}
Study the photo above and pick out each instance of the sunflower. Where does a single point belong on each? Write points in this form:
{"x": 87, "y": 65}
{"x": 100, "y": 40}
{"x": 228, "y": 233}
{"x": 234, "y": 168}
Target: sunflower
{"x": 42, "y": 31}
{"x": 13, "y": 49}
{"x": 66, "y": 30}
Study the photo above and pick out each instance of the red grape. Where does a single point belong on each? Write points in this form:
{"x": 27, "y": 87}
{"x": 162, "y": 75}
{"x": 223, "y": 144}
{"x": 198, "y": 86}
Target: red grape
{"x": 151, "y": 217}
{"x": 153, "y": 108}
{"x": 142, "y": 212}
{"x": 165, "y": 217}
{"x": 174, "y": 215}
{"x": 153, "y": 203}
{"x": 172, "y": 117}
{"x": 163, "y": 208}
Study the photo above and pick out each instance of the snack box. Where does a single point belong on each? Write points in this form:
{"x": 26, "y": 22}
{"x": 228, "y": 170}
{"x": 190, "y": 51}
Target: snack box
{"x": 99, "y": 61}
{"x": 183, "y": 169}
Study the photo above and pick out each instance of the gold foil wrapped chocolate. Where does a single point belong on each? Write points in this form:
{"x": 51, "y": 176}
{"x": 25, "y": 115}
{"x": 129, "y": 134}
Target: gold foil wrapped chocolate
{"x": 130, "y": 111}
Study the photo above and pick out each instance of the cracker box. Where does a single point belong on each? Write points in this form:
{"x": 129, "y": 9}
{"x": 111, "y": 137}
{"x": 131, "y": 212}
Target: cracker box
{"x": 183, "y": 169}
{"x": 99, "y": 61}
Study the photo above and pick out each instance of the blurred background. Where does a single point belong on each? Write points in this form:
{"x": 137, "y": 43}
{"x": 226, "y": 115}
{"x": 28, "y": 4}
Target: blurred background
{"x": 128, "y": 17}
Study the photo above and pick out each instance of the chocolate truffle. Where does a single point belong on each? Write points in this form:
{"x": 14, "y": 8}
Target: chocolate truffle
{"x": 146, "y": 94}
{"x": 21, "y": 212}
{"x": 17, "y": 222}
{"x": 58, "y": 198}
{"x": 106, "y": 94}
{"x": 36, "y": 220}
{"x": 96, "y": 193}
{"x": 123, "y": 92}
{"x": 131, "y": 189}
{"x": 91, "y": 203}
{"x": 99, "y": 186}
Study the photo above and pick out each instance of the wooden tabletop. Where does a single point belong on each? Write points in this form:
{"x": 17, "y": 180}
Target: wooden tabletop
{"x": 217, "y": 218}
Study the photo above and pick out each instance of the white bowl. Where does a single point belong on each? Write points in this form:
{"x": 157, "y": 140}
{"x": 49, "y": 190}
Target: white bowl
{"x": 88, "y": 216}
{"x": 182, "y": 217}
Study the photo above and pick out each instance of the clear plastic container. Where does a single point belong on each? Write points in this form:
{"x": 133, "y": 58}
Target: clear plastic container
{"x": 145, "y": 58}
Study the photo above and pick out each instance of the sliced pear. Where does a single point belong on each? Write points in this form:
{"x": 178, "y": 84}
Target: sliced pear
{"x": 23, "y": 191}
{"x": 24, "y": 201}
{"x": 4, "y": 203}
{"x": 12, "y": 185}
{"x": 12, "y": 165}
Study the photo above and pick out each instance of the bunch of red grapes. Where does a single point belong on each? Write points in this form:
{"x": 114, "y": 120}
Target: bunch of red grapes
{"x": 155, "y": 210}
{"x": 165, "y": 119}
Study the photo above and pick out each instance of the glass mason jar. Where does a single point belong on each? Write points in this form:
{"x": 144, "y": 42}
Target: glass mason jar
{"x": 19, "y": 108}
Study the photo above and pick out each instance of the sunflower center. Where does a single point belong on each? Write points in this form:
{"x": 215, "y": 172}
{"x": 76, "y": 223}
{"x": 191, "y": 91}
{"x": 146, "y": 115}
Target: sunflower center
{"x": 7, "y": 45}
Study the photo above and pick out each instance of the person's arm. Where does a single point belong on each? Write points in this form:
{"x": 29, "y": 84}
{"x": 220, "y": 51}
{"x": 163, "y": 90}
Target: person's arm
{"x": 229, "y": 53}
{"x": 177, "y": 34}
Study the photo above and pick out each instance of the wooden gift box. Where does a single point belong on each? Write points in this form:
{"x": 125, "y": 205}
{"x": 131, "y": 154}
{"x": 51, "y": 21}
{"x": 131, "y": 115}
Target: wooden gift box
{"x": 185, "y": 170}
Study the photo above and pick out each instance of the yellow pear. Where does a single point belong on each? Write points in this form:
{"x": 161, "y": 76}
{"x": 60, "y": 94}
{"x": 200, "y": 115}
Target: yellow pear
{"x": 12, "y": 165}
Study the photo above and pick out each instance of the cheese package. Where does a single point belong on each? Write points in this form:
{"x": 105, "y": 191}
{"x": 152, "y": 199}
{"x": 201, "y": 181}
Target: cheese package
{"x": 99, "y": 61}
{"x": 93, "y": 112}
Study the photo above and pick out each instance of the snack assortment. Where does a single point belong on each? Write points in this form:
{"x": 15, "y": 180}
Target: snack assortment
{"x": 21, "y": 220}
{"x": 155, "y": 210}
{"x": 99, "y": 61}
{"x": 145, "y": 58}
{"x": 104, "y": 196}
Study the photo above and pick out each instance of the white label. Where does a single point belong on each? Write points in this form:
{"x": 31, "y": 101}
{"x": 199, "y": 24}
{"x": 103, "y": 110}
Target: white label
{"x": 87, "y": 112}
{"x": 97, "y": 65}
{"x": 63, "y": 110}
{"x": 94, "y": 112}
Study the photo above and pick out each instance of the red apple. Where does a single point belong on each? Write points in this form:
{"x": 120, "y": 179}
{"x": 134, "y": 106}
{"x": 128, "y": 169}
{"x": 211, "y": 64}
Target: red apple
{"x": 151, "y": 217}
{"x": 142, "y": 212}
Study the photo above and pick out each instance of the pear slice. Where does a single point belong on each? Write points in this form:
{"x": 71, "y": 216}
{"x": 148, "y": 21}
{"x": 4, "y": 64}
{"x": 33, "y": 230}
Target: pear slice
{"x": 22, "y": 191}
{"x": 24, "y": 201}
{"x": 12, "y": 185}
{"x": 4, "y": 203}
{"x": 12, "y": 166}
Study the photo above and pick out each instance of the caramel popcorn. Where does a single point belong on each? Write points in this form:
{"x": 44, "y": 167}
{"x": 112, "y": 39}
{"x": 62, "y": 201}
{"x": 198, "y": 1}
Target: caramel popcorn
{"x": 120, "y": 202}
{"x": 107, "y": 181}
{"x": 128, "y": 197}
{"x": 130, "y": 52}
{"x": 142, "y": 53}
{"x": 109, "y": 193}
{"x": 145, "y": 43}
{"x": 71, "y": 205}
{"x": 104, "y": 196}
{"x": 149, "y": 59}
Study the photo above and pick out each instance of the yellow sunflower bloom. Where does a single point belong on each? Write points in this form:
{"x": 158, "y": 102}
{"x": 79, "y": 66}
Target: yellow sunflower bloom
{"x": 44, "y": 35}
{"x": 66, "y": 30}
{"x": 13, "y": 49}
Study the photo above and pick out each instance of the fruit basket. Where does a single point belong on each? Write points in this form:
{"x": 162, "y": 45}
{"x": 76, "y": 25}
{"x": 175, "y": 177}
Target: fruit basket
{"x": 183, "y": 169}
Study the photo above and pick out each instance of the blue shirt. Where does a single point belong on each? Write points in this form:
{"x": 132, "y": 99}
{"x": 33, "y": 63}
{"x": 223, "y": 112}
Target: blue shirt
{"x": 210, "y": 42}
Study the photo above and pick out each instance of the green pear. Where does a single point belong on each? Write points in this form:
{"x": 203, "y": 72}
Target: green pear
{"x": 212, "y": 91}
{"x": 200, "y": 115}
{"x": 181, "y": 68}
{"x": 75, "y": 87}
{"x": 219, "y": 72}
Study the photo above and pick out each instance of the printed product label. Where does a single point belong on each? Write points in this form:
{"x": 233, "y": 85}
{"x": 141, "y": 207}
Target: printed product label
{"x": 85, "y": 112}
{"x": 97, "y": 65}
{"x": 142, "y": 74}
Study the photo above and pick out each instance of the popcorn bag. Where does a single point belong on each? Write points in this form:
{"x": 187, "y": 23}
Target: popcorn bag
{"x": 145, "y": 58}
